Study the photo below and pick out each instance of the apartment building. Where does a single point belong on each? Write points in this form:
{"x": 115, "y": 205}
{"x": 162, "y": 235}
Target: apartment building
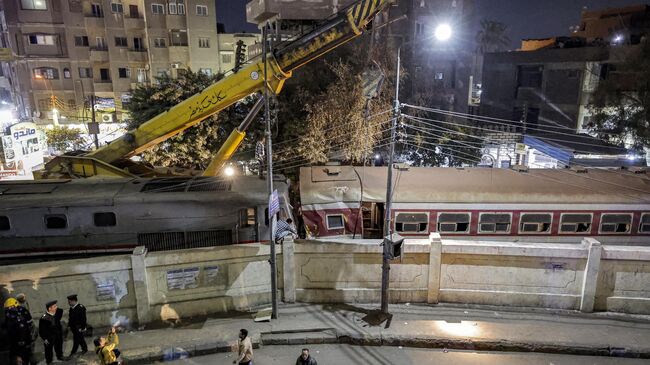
{"x": 67, "y": 50}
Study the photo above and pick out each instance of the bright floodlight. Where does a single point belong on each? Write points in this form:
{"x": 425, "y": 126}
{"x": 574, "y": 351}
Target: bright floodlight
{"x": 229, "y": 171}
{"x": 443, "y": 32}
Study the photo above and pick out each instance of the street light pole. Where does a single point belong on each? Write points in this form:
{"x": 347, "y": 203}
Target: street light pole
{"x": 385, "y": 267}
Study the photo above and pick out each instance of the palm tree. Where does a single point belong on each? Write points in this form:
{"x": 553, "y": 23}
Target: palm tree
{"x": 492, "y": 37}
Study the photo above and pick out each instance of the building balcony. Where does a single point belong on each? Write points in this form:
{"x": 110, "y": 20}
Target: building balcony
{"x": 103, "y": 86}
{"x": 92, "y": 21}
{"x": 133, "y": 23}
{"x": 99, "y": 54}
{"x": 138, "y": 55}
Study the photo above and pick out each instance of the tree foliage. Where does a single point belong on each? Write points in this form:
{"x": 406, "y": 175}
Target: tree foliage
{"x": 492, "y": 37}
{"x": 194, "y": 147}
{"x": 64, "y": 139}
{"x": 620, "y": 105}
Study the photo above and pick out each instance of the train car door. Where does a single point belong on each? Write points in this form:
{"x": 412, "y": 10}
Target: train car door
{"x": 247, "y": 227}
{"x": 372, "y": 215}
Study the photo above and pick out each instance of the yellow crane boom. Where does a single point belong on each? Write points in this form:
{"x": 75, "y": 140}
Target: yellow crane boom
{"x": 106, "y": 160}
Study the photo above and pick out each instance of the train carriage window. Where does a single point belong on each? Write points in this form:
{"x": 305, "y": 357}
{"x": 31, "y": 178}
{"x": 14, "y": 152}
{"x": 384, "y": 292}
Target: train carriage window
{"x": 247, "y": 217}
{"x": 494, "y": 223}
{"x": 412, "y": 222}
{"x": 104, "y": 219}
{"x": 615, "y": 223}
{"x": 335, "y": 221}
{"x": 4, "y": 223}
{"x": 56, "y": 221}
{"x": 535, "y": 223}
{"x": 644, "y": 226}
{"x": 453, "y": 222}
{"x": 575, "y": 223}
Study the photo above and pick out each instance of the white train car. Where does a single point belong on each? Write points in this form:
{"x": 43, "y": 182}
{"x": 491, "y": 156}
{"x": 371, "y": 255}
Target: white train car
{"x": 63, "y": 217}
{"x": 555, "y": 206}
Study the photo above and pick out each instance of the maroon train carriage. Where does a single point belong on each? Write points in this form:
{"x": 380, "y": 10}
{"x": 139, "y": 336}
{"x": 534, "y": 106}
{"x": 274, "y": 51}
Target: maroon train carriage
{"x": 555, "y": 206}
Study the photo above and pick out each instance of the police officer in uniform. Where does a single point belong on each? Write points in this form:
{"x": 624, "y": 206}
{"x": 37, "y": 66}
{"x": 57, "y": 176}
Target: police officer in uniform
{"x": 19, "y": 325}
{"x": 50, "y": 330}
{"x": 77, "y": 324}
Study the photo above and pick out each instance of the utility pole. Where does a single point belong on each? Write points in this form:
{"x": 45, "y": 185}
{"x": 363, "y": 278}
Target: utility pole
{"x": 385, "y": 265}
{"x": 269, "y": 173}
{"x": 93, "y": 128}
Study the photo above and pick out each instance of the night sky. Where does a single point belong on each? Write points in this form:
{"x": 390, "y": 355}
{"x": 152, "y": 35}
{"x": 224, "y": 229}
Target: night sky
{"x": 525, "y": 18}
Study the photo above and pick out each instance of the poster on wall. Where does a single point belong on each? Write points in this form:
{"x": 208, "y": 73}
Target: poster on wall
{"x": 183, "y": 279}
{"x": 105, "y": 291}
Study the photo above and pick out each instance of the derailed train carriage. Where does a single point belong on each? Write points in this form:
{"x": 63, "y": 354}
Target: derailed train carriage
{"x": 50, "y": 217}
{"x": 555, "y": 206}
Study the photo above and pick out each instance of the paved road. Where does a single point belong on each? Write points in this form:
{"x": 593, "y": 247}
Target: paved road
{"x": 344, "y": 354}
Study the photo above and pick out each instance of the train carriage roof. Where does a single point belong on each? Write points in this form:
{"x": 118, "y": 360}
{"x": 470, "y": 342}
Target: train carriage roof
{"x": 328, "y": 184}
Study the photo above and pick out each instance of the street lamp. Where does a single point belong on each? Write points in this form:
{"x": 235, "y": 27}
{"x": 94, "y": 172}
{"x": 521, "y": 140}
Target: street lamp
{"x": 442, "y": 33}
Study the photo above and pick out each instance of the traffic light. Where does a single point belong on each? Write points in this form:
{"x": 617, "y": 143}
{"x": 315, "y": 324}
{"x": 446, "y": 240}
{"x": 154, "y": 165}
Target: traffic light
{"x": 240, "y": 55}
{"x": 395, "y": 242}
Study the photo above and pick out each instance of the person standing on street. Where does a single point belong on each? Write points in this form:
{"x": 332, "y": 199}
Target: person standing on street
{"x": 77, "y": 324}
{"x": 19, "y": 325}
{"x": 50, "y": 330}
{"x": 245, "y": 349}
{"x": 305, "y": 358}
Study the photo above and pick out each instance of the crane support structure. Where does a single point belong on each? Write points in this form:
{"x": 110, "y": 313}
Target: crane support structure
{"x": 106, "y": 160}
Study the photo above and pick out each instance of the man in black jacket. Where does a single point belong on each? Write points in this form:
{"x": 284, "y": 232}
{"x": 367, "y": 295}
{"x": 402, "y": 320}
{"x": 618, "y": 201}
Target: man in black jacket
{"x": 50, "y": 330}
{"x": 77, "y": 324}
{"x": 305, "y": 358}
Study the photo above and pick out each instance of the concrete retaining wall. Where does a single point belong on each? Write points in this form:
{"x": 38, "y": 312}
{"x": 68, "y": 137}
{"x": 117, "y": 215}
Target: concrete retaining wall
{"x": 145, "y": 287}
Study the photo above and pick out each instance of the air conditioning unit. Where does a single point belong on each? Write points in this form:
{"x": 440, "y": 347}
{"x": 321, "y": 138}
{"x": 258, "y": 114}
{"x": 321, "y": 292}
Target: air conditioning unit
{"x": 108, "y": 117}
{"x": 176, "y": 65}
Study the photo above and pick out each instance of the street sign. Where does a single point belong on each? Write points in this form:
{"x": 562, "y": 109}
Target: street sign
{"x": 6, "y": 54}
{"x": 520, "y": 148}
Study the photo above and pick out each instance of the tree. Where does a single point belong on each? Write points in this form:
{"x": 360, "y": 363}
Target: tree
{"x": 64, "y": 139}
{"x": 194, "y": 147}
{"x": 620, "y": 105}
{"x": 492, "y": 37}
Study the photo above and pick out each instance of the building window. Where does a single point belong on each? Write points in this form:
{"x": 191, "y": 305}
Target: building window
{"x": 33, "y": 4}
{"x": 529, "y": 76}
{"x": 101, "y": 43}
{"x": 172, "y": 7}
{"x": 41, "y": 40}
{"x": 439, "y": 76}
{"x": 206, "y": 71}
{"x": 535, "y": 223}
{"x": 138, "y": 44}
{"x": 615, "y": 223}
{"x": 157, "y": 9}
{"x": 142, "y": 75}
{"x": 226, "y": 57}
{"x": 160, "y": 42}
{"x": 97, "y": 11}
{"x": 494, "y": 223}
{"x": 204, "y": 42}
{"x": 46, "y": 73}
{"x": 66, "y": 73}
{"x": 4, "y": 223}
{"x": 178, "y": 37}
{"x": 104, "y": 219}
{"x": 453, "y": 222}
{"x": 644, "y": 225}
{"x": 81, "y": 41}
{"x": 575, "y": 223}
{"x": 180, "y": 7}
{"x": 56, "y": 221}
{"x": 85, "y": 72}
{"x": 104, "y": 74}
{"x": 124, "y": 72}
{"x": 121, "y": 42}
{"x": 201, "y": 10}
{"x": 116, "y": 7}
{"x": 247, "y": 217}
{"x": 419, "y": 28}
{"x": 412, "y": 222}
{"x": 133, "y": 11}
{"x": 335, "y": 221}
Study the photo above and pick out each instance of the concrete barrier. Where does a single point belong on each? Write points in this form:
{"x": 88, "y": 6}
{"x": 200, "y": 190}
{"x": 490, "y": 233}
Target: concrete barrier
{"x": 167, "y": 286}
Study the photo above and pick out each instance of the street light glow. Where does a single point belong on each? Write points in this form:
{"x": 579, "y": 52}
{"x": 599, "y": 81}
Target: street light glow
{"x": 443, "y": 32}
{"x": 229, "y": 171}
